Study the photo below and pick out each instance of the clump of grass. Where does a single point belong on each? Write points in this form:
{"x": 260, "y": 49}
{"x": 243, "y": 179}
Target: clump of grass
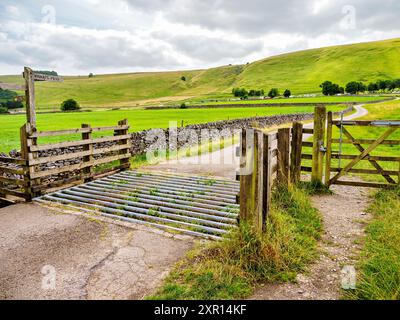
{"x": 314, "y": 187}
{"x": 230, "y": 269}
{"x": 379, "y": 266}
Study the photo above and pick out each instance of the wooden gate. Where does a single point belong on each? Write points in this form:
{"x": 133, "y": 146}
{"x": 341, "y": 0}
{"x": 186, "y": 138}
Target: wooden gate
{"x": 386, "y": 166}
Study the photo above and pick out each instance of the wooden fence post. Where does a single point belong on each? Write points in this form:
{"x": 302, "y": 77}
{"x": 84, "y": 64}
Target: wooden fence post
{"x": 295, "y": 156}
{"x": 328, "y": 149}
{"x": 30, "y": 96}
{"x": 267, "y": 176}
{"x": 25, "y": 155}
{"x": 124, "y": 163}
{"x": 246, "y": 174}
{"x": 318, "y": 144}
{"x": 258, "y": 183}
{"x": 87, "y": 171}
{"x": 283, "y": 157}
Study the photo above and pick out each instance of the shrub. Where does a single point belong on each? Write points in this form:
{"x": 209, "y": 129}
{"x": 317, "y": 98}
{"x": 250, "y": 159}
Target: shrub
{"x": 183, "y": 106}
{"x": 91, "y": 75}
{"x": 3, "y": 110}
{"x": 330, "y": 89}
{"x": 273, "y": 93}
{"x": 183, "y": 78}
{"x": 70, "y": 105}
{"x": 287, "y": 93}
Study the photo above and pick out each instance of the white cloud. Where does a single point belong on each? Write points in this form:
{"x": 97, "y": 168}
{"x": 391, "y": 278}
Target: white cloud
{"x": 141, "y": 35}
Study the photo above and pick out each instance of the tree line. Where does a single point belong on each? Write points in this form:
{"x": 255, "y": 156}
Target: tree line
{"x": 244, "y": 94}
{"x": 355, "y": 87}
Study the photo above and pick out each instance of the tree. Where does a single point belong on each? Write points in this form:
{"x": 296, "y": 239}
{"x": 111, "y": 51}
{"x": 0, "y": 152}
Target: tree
{"x": 13, "y": 105}
{"x": 70, "y": 105}
{"x": 382, "y": 85}
{"x": 355, "y": 87}
{"x": 391, "y": 85}
{"x": 91, "y": 75}
{"x": 373, "y": 87}
{"x": 330, "y": 89}
{"x": 183, "y": 78}
{"x": 240, "y": 93}
{"x": 287, "y": 93}
{"x": 274, "y": 92}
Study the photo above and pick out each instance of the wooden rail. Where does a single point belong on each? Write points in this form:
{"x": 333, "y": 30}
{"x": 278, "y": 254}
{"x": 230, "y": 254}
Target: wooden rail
{"x": 90, "y": 153}
{"x": 41, "y": 170}
{"x": 12, "y": 186}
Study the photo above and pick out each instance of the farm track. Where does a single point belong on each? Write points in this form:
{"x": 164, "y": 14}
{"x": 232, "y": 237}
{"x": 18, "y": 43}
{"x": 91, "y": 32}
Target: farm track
{"x": 344, "y": 218}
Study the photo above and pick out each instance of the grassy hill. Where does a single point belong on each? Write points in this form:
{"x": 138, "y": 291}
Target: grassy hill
{"x": 302, "y": 72}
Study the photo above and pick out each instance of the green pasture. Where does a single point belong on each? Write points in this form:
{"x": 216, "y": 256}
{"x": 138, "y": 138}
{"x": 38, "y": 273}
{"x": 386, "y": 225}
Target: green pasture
{"x": 138, "y": 119}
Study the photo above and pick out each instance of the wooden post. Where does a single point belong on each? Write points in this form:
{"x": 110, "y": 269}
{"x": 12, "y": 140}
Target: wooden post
{"x": 318, "y": 144}
{"x": 295, "y": 156}
{"x": 30, "y": 97}
{"x": 26, "y": 142}
{"x": 267, "y": 176}
{"x": 283, "y": 157}
{"x": 328, "y": 149}
{"x": 246, "y": 174}
{"x": 124, "y": 163}
{"x": 87, "y": 171}
{"x": 258, "y": 183}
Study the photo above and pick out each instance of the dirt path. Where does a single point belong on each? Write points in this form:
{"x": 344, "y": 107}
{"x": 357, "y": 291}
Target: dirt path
{"x": 45, "y": 255}
{"x": 344, "y": 215}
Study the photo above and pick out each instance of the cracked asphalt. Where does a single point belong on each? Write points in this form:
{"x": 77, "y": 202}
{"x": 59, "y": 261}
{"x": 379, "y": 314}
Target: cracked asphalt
{"x": 48, "y": 255}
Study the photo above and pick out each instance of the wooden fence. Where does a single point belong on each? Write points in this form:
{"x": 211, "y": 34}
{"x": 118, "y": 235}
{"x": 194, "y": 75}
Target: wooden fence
{"x": 267, "y": 160}
{"x": 47, "y": 167}
{"x": 13, "y": 181}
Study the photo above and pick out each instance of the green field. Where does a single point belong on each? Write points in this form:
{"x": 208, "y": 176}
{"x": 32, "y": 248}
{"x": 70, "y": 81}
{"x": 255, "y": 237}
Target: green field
{"x": 138, "y": 119}
{"x": 301, "y": 72}
{"x": 314, "y": 100}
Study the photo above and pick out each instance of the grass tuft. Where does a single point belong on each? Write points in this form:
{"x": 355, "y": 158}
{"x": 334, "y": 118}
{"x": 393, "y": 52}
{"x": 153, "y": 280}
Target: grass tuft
{"x": 379, "y": 266}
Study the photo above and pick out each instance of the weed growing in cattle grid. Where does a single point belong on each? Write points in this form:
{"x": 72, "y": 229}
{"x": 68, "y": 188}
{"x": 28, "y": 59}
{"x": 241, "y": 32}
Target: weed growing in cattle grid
{"x": 154, "y": 192}
{"x": 133, "y": 196}
{"x": 210, "y": 182}
{"x": 230, "y": 269}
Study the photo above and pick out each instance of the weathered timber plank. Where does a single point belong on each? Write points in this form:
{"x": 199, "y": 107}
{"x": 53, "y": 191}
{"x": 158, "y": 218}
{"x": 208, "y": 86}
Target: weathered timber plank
{"x": 374, "y": 158}
{"x": 329, "y": 133}
{"x": 283, "y": 156}
{"x": 366, "y": 141}
{"x": 75, "y": 131}
{"x": 368, "y": 123}
{"x": 295, "y": 156}
{"x": 18, "y": 182}
{"x": 13, "y": 160}
{"x": 367, "y": 171}
{"x": 365, "y": 184}
{"x": 76, "y": 167}
{"x": 18, "y": 171}
{"x": 76, "y": 143}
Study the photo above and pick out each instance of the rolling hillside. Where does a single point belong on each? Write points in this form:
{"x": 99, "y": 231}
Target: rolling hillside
{"x": 302, "y": 72}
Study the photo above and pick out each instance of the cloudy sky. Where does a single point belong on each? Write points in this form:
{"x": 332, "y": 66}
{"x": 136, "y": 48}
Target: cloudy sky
{"x": 82, "y": 36}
